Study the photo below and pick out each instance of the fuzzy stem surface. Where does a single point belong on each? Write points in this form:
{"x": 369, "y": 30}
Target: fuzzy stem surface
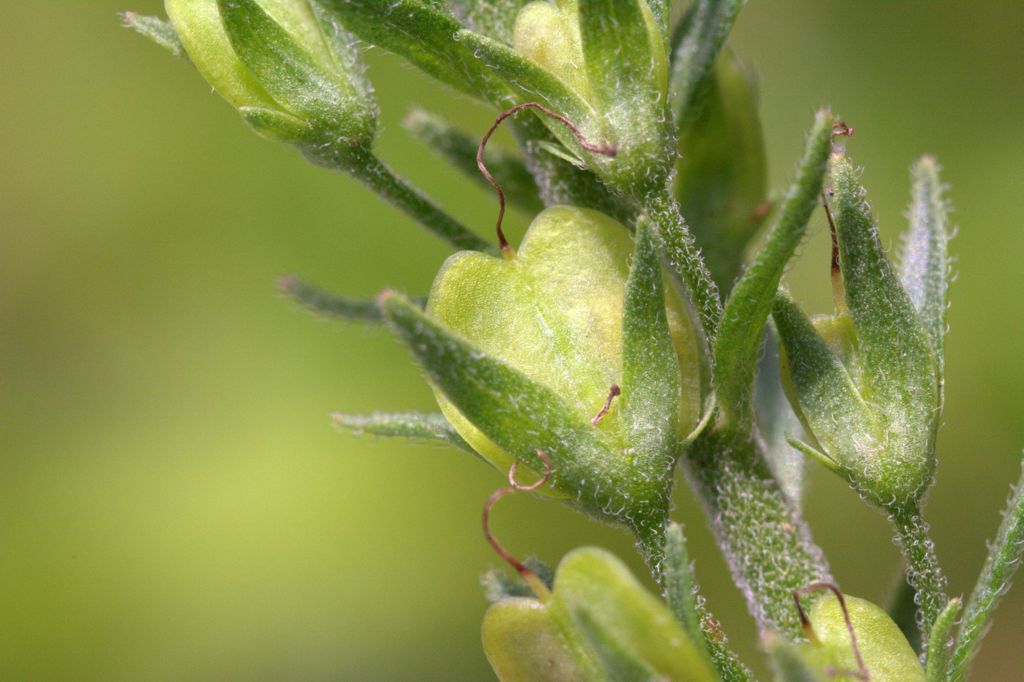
{"x": 923, "y": 570}
{"x": 766, "y": 542}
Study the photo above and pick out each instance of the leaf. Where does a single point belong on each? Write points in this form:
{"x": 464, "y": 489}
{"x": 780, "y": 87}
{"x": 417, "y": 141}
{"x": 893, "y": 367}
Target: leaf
{"x": 410, "y": 425}
{"x": 160, "y": 31}
{"x": 459, "y": 149}
{"x": 425, "y": 37}
{"x": 651, "y": 384}
{"x": 696, "y": 46}
{"x": 738, "y": 341}
{"x": 680, "y": 586}
{"x": 940, "y": 642}
{"x": 899, "y": 365}
{"x": 333, "y": 305}
{"x": 1003, "y": 559}
{"x": 925, "y": 263}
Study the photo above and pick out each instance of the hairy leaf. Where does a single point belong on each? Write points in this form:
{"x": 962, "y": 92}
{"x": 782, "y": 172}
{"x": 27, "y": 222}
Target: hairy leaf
{"x": 1004, "y": 557}
{"x": 696, "y": 46}
{"x": 411, "y": 425}
{"x": 740, "y": 330}
{"x": 160, "y": 31}
{"x": 940, "y": 642}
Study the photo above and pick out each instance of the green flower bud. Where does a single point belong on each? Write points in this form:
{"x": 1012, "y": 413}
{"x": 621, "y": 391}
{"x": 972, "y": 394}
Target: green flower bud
{"x": 610, "y": 53}
{"x": 865, "y": 381}
{"x": 721, "y": 181}
{"x": 286, "y": 66}
{"x": 599, "y": 623}
{"x": 568, "y": 347}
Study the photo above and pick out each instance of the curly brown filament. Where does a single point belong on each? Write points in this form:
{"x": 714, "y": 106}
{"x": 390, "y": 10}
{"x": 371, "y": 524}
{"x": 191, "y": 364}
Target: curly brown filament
{"x": 840, "y": 129}
{"x": 613, "y": 392}
{"x": 862, "y": 672}
{"x": 531, "y": 578}
{"x": 606, "y": 149}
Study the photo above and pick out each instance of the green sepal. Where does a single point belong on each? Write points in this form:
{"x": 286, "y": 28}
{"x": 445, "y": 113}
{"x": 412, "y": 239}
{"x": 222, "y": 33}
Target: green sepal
{"x": 409, "y": 425}
{"x": 627, "y": 71}
{"x": 652, "y": 383}
{"x": 459, "y": 149}
{"x": 925, "y": 263}
{"x": 697, "y": 41}
{"x": 426, "y": 37}
{"x": 274, "y": 124}
{"x": 887, "y": 655}
{"x": 306, "y": 81}
{"x": 738, "y": 342}
{"x": 940, "y": 642}
{"x": 1004, "y": 556}
{"x": 899, "y": 373}
{"x": 160, "y": 31}
{"x": 721, "y": 172}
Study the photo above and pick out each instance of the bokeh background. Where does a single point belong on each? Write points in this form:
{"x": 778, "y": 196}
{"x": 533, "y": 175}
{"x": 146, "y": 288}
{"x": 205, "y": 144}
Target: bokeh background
{"x": 174, "y": 503}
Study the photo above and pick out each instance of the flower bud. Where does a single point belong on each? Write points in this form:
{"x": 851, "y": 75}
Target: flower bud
{"x": 865, "y": 381}
{"x": 570, "y": 347}
{"x": 599, "y": 623}
{"x": 287, "y": 68}
{"x": 610, "y": 53}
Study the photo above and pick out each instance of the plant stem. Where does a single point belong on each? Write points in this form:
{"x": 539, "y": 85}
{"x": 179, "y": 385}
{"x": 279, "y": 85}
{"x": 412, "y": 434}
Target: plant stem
{"x": 923, "y": 571}
{"x": 766, "y": 542}
{"x": 396, "y": 190}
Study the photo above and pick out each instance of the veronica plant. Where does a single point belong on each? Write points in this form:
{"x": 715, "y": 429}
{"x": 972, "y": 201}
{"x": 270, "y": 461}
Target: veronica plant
{"x": 618, "y": 341}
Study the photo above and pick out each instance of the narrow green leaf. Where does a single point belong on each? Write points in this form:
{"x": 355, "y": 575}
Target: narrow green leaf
{"x": 680, "y": 586}
{"x": 156, "y": 29}
{"x": 738, "y": 341}
{"x": 493, "y": 19}
{"x": 893, "y": 348}
{"x": 1003, "y": 559}
{"x": 425, "y": 37}
{"x": 925, "y": 264}
{"x": 696, "y": 46}
{"x": 940, "y": 643}
{"x": 651, "y": 383}
{"x": 459, "y": 149}
{"x": 411, "y": 425}
{"x": 333, "y": 305}
{"x": 827, "y": 400}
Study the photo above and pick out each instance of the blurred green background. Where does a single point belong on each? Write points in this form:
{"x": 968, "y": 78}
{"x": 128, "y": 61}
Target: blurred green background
{"x": 173, "y": 501}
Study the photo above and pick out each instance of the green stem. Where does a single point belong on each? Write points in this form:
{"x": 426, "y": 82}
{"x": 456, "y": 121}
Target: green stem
{"x": 393, "y": 188}
{"x": 923, "y": 571}
{"x": 766, "y": 542}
